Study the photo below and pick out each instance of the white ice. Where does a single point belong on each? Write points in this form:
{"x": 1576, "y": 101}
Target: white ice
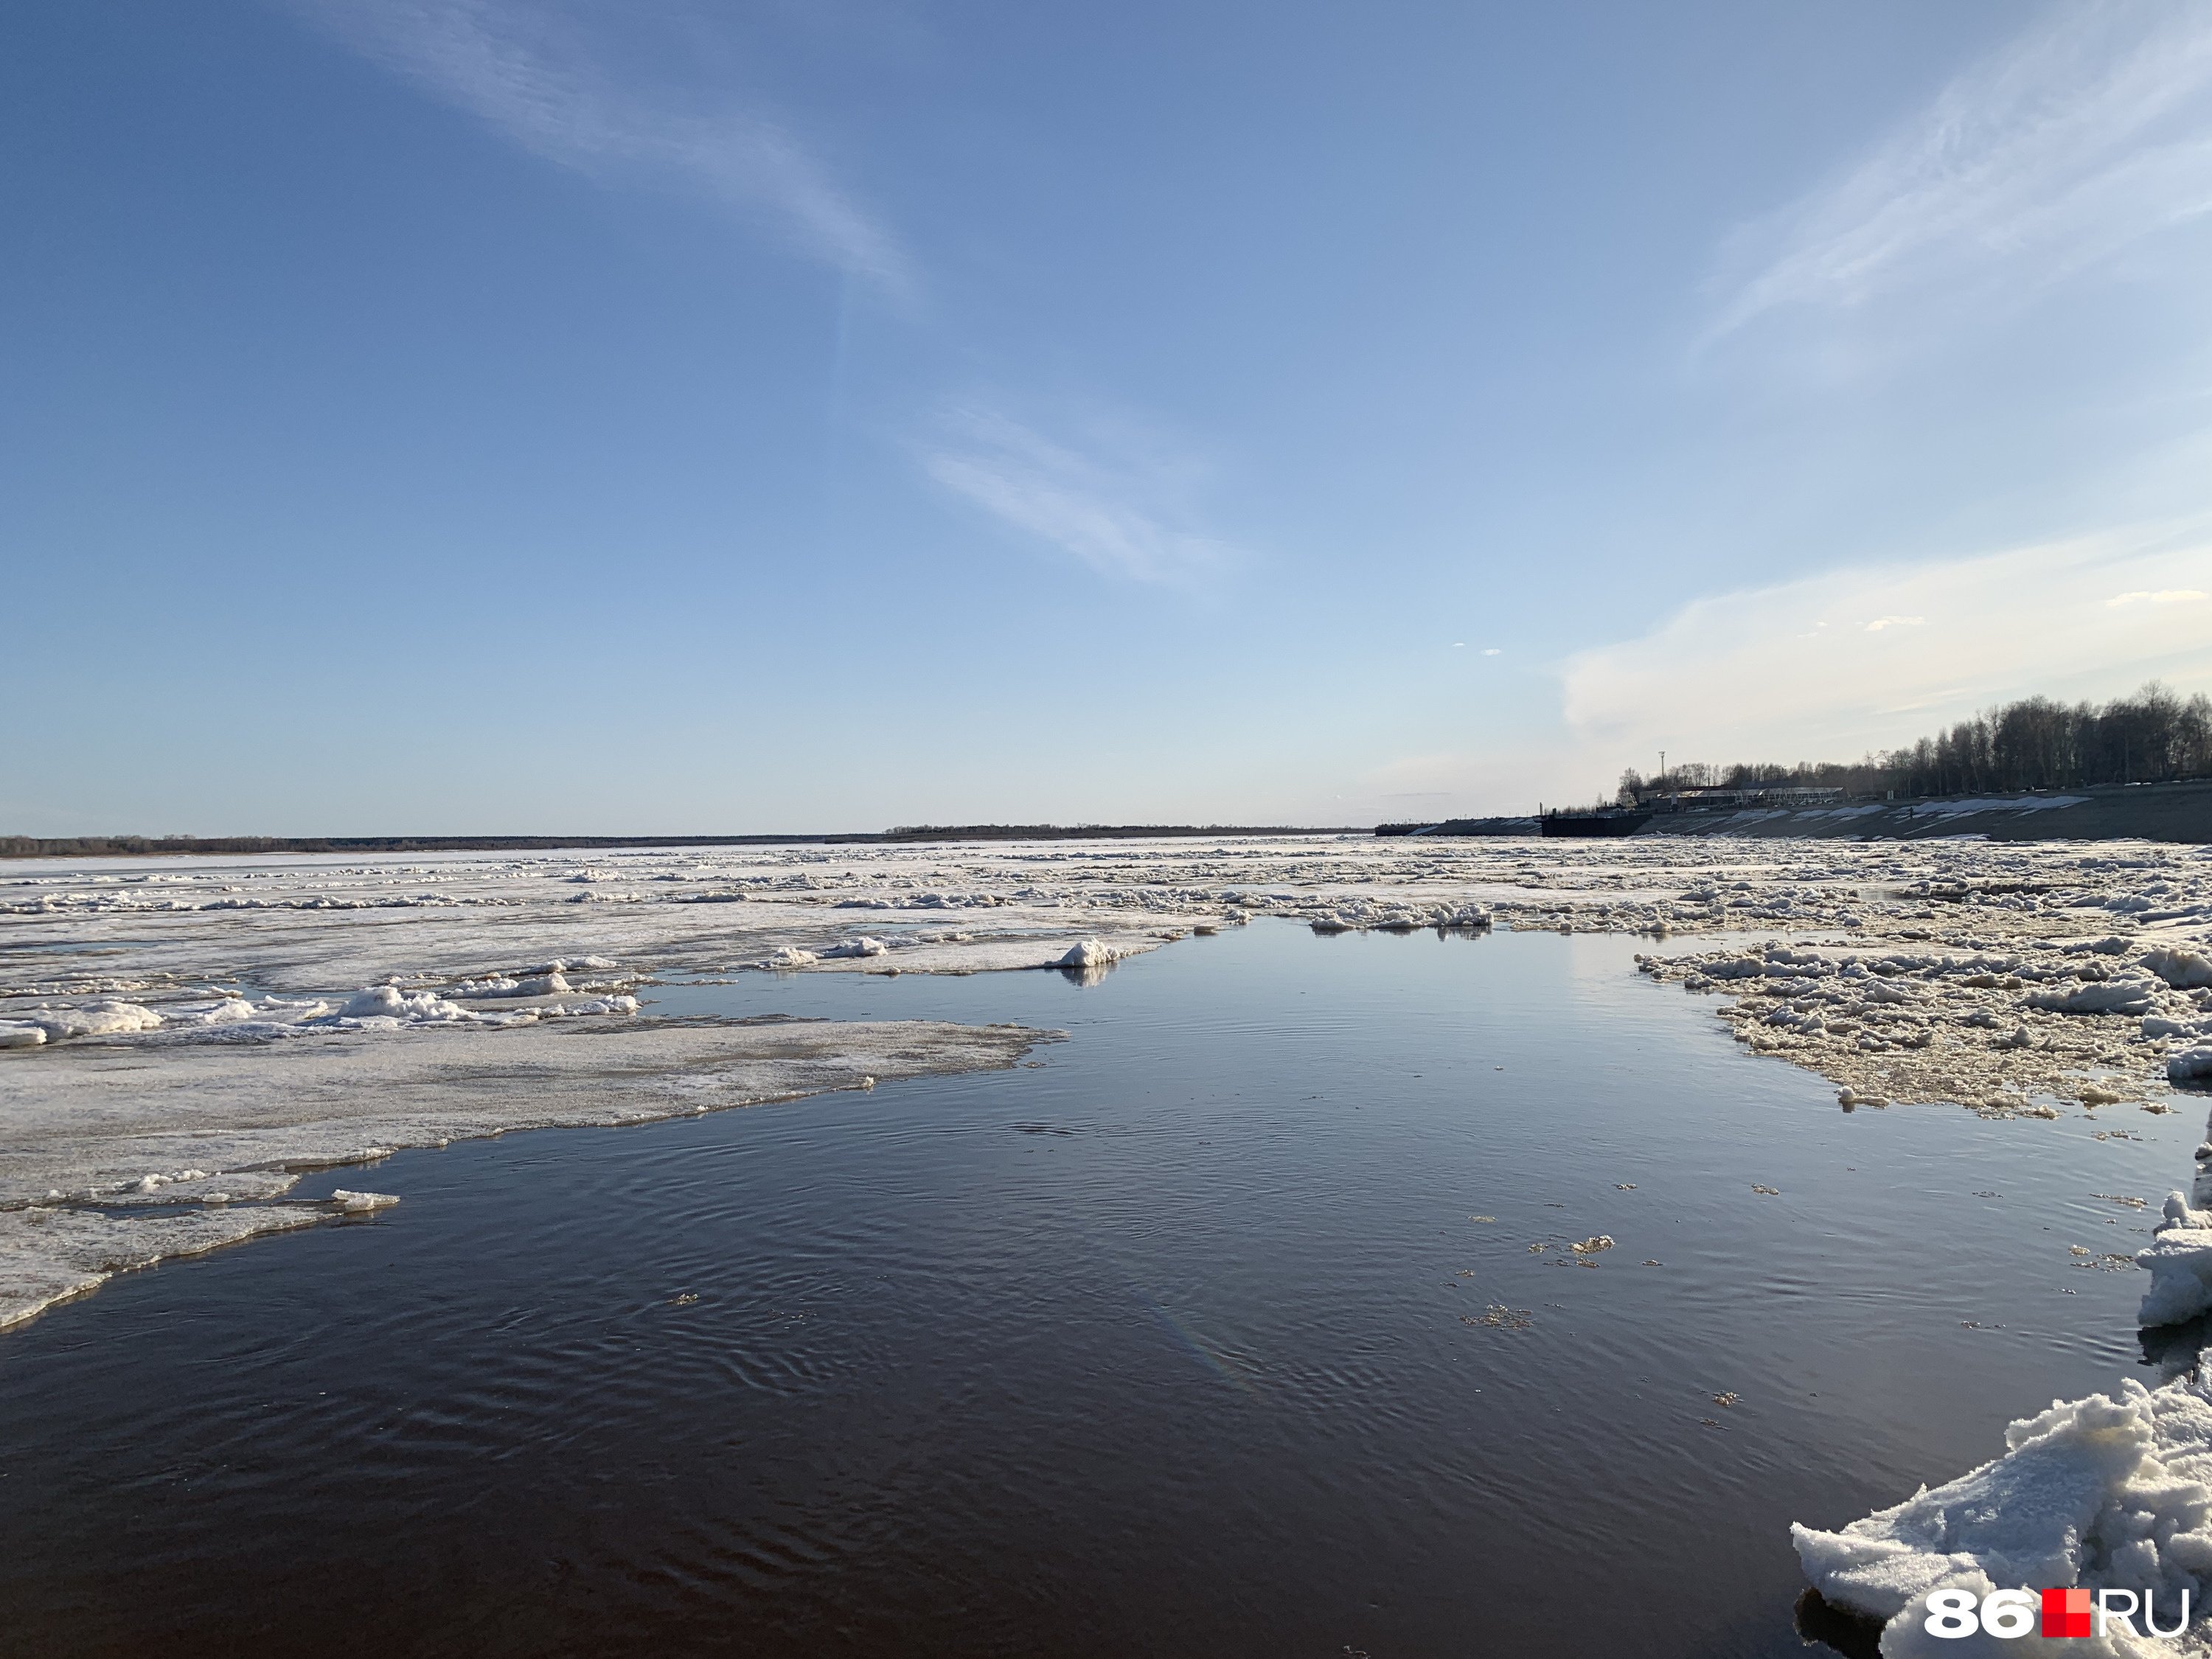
{"x": 2107, "y": 1492}
{"x": 2179, "y": 1260}
{"x": 1904, "y": 972}
{"x": 48, "y": 1255}
{"x": 88, "y": 1141}
{"x": 353, "y": 1203}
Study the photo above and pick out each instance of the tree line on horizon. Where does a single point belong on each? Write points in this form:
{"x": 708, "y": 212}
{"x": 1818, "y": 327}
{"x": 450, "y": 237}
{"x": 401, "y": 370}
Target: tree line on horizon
{"x": 2155, "y": 736}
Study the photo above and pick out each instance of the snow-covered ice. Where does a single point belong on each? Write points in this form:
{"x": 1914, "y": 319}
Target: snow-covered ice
{"x": 94, "y": 1133}
{"x": 237, "y": 1019}
{"x": 2179, "y": 1260}
{"x": 353, "y": 1203}
{"x": 107, "y": 1017}
{"x": 48, "y": 1253}
{"x": 1999, "y": 976}
{"x": 2113, "y": 1491}
{"x": 389, "y": 1002}
{"x": 2183, "y": 969}
{"x": 1087, "y": 953}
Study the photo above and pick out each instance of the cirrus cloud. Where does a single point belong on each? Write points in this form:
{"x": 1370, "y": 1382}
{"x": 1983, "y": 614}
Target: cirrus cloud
{"x": 2088, "y": 133}
{"x": 532, "y": 75}
{"x": 1120, "y": 508}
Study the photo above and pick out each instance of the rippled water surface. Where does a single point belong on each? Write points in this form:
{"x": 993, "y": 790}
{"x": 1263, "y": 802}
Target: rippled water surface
{"x": 1163, "y": 1346}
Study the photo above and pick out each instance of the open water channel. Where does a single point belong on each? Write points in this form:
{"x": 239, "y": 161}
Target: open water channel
{"x": 1245, "y": 1324}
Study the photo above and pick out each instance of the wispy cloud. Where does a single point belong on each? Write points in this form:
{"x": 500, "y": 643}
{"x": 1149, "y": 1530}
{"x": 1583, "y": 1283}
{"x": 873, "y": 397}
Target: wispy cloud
{"x": 2162, "y": 596}
{"x": 1124, "y": 512}
{"x": 2091, "y": 131}
{"x": 530, "y": 74}
{"x": 1752, "y": 674}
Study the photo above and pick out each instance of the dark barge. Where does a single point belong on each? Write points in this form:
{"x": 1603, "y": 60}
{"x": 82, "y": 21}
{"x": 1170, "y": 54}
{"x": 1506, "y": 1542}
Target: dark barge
{"x": 1622, "y": 822}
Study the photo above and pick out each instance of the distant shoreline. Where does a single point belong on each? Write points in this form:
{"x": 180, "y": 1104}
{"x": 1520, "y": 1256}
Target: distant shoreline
{"x": 49, "y": 847}
{"x": 2178, "y": 812}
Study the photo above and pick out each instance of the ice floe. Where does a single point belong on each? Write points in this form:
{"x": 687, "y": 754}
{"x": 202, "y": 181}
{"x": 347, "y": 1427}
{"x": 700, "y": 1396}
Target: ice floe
{"x": 353, "y": 1203}
{"x": 2185, "y": 971}
{"x": 107, "y": 1017}
{"x": 2012, "y": 978}
{"x": 2111, "y": 1491}
{"x": 1988, "y": 1024}
{"x": 1952, "y": 940}
{"x": 49, "y": 1254}
{"x": 549, "y": 983}
{"x": 2179, "y": 1260}
{"x": 2125, "y": 996}
{"x": 381, "y": 1004}
{"x": 91, "y": 1152}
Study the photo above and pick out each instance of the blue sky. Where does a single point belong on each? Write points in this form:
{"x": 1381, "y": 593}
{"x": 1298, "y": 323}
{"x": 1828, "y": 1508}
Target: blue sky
{"x": 481, "y": 416}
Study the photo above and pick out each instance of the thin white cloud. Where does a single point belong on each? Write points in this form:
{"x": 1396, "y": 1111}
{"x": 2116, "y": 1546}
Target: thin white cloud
{"x": 2163, "y": 596}
{"x": 528, "y": 73}
{"x": 1125, "y": 516}
{"x": 2092, "y": 130}
{"x": 1736, "y": 676}
{"x": 1881, "y": 623}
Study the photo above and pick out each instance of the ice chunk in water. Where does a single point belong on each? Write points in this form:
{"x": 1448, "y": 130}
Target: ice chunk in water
{"x": 2179, "y": 1259}
{"x": 2117, "y": 996}
{"x": 549, "y": 983}
{"x": 107, "y": 1017}
{"x": 1089, "y": 953}
{"x": 361, "y": 1203}
{"x": 2102, "y": 1492}
{"x": 231, "y": 1011}
{"x": 2191, "y": 1066}
{"x": 2185, "y": 971}
{"x": 390, "y": 1002}
{"x": 624, "y": 1005}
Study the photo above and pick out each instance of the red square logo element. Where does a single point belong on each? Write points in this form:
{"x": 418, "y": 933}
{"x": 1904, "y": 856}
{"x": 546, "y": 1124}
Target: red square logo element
{"x": 2066, "y": 1613}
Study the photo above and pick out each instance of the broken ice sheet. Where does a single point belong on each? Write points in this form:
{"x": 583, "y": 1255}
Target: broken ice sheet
{"x": 218, "y": 1125}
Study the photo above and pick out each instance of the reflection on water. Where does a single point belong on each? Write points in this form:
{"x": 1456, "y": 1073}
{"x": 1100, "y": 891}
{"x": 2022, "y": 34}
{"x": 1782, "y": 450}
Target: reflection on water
{"x": 1179, "y": 1343}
